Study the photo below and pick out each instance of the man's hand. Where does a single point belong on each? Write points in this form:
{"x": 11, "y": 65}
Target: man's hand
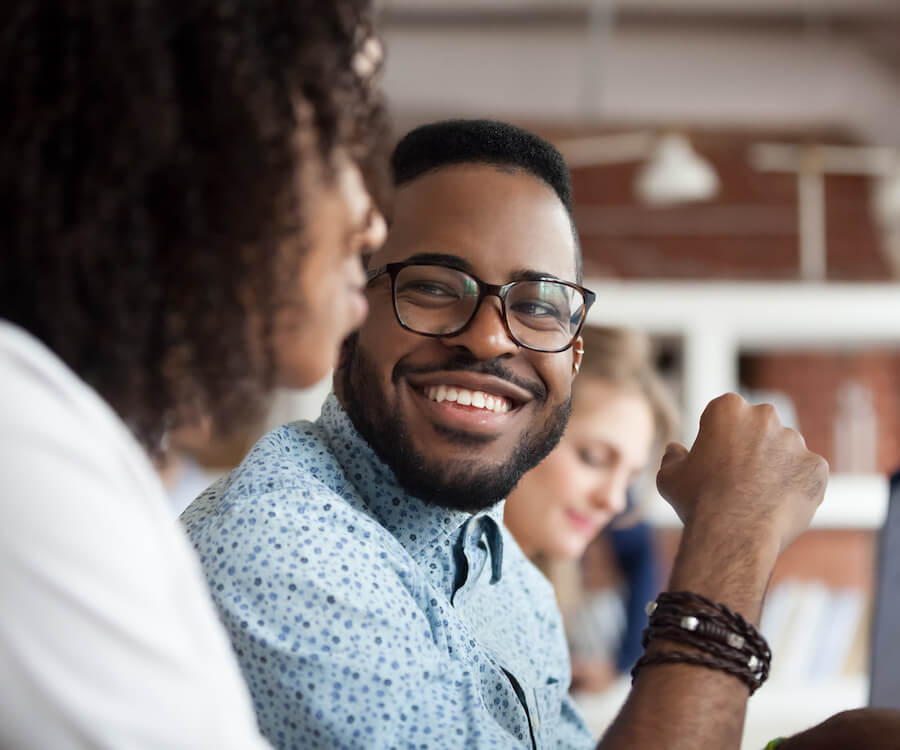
{"x": 869, "y": 728}
{"x": 746, "y": 489}
{"x": 746, "y": 477}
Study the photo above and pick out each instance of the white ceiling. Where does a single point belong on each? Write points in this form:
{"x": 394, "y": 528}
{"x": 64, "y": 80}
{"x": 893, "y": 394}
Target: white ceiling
{"x": 668, "y": 6}
{"x": 697, "y": 72}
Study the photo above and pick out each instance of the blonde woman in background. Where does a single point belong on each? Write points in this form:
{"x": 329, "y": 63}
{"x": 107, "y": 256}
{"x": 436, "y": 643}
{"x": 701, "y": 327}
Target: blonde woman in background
{"x": 622, "y": 414}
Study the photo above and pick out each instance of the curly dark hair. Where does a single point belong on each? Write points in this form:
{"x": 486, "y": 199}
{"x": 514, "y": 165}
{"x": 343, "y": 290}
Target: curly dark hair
{"x": 150, "y": 167}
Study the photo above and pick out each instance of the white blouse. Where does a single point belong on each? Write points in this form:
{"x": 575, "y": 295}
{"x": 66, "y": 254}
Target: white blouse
{"x": 108, "y": 636}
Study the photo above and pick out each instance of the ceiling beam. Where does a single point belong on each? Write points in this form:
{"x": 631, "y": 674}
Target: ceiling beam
{"x": 836, "y": 18}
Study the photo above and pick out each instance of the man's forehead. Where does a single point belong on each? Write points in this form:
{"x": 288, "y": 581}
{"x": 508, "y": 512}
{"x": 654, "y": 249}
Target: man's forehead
{"x": 464, "y": 264}
{"x": 501, "y": 224}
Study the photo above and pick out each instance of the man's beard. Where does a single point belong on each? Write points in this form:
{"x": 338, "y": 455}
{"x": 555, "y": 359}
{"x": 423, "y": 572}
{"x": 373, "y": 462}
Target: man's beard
{"x": 464, "y": 485}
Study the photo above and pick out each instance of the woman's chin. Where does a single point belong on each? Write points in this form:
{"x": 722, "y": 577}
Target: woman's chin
{"x": 569, "y": 547}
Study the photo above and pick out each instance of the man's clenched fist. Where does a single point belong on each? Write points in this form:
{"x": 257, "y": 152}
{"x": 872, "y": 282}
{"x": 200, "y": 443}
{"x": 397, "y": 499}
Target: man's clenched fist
{"x": 746, "y": 476}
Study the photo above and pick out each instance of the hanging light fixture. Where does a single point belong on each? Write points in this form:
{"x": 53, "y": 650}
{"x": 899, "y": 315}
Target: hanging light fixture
{"x": 676, "y": 173}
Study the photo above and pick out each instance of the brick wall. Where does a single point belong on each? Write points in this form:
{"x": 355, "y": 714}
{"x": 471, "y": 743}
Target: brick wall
{"x": 813, "y": 378}
{"x": 749, "y": 231}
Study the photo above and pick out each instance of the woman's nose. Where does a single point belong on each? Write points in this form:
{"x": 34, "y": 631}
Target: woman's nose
{"x": 610, "y": 495}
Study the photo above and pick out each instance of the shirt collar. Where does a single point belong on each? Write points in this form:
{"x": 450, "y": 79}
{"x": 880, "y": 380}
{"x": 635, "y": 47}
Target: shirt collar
{"x": 419, "y": 526}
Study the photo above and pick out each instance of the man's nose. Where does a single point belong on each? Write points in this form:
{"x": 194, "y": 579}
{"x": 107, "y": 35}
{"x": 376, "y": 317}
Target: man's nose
{"x": 486, "y": 337}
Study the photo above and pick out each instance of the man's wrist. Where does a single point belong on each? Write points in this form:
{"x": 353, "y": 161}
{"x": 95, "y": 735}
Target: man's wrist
{"x": 725, "y": 566}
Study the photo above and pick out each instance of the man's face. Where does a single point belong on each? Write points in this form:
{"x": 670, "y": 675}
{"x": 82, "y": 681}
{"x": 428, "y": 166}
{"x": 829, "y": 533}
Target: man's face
{"x": 501, "y": 226}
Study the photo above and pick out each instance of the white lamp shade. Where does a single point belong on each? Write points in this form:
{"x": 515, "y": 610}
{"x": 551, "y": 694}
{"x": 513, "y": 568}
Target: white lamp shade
{"x": 675, "y": 173}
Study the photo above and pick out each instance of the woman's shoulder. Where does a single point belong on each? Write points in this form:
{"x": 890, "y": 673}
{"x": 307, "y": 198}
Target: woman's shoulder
{"x": 46, "y": 407}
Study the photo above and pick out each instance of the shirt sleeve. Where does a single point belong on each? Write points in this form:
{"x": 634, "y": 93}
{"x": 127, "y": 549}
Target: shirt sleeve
{"x": 334, "y": 646}
{"x": 107, "y": 635}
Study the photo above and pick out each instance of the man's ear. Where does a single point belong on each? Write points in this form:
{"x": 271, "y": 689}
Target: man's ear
{"x": 577, "y": 355}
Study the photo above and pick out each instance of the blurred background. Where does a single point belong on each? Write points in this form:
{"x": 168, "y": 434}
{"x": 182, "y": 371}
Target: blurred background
{"x": 737, "y": 188}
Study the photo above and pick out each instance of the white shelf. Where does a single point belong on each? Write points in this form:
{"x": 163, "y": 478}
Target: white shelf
{"x": 852, "y": 501}
{"x": 719, "y": 320}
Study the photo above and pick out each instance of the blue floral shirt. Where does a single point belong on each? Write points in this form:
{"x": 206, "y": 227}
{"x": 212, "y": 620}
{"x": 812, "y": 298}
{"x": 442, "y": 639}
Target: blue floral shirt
{"x": 365, "y": 618}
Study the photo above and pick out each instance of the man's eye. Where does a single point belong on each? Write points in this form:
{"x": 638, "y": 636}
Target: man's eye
{"x": 427, "y": 288}
{"x": 538, "y": 309}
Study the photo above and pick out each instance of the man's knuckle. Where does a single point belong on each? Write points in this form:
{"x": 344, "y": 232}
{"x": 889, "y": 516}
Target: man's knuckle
{"x": 731, "y": 400}
{"x": 794, "y": 438}
{"x": 767, "y": 412}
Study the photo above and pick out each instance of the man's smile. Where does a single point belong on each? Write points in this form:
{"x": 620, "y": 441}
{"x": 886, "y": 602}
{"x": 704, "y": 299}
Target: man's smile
{"x": 464, "y": 397}
{"x": 467, "y": 401}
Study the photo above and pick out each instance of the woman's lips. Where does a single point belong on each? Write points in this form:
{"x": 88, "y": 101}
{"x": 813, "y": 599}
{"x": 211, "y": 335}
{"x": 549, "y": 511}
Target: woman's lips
{"x": 587, "y": 525}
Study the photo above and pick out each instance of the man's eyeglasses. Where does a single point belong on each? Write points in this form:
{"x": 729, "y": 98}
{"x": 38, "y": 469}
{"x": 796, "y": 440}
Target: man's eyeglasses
{"x": 432, "y": 299}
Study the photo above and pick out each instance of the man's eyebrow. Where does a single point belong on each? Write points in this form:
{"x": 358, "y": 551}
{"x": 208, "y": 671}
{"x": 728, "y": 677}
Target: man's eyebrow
{"x": 528, "y": 274}
{"x": 522, "y": 274}
{"x": 442, "y": 258}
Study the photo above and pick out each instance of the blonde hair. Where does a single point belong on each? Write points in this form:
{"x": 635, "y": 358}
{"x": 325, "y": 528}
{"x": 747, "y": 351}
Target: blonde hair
{"x": 624, "y": 358}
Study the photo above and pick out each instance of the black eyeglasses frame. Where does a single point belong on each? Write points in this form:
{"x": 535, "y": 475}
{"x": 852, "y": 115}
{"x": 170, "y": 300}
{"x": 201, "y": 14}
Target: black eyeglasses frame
{"x": 484, "y": 290}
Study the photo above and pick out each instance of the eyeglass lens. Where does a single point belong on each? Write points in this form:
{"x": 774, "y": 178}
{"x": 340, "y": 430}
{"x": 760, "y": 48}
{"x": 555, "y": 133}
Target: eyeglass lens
{"x": 439, "y": 300}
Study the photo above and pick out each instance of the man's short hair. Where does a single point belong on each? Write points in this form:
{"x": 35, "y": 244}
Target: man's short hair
{"x": 455, "y": 142}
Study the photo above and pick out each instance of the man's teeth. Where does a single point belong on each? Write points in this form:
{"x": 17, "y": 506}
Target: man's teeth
{"x": 465, "y": 397}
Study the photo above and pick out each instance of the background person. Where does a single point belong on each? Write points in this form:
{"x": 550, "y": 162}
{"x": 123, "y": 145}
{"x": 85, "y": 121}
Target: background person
{"x": 182, "y": 217}
{"x": 622, "y": 415}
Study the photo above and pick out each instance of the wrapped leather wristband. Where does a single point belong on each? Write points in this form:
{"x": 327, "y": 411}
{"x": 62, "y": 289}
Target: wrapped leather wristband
{"x": 723, "y": 640}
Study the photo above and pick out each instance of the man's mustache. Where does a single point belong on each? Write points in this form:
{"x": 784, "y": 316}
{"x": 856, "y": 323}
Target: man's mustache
{"x": 464, "y": 363}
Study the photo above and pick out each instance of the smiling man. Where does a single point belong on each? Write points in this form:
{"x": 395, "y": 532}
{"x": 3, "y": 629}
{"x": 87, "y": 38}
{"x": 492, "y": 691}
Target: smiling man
{"x": 372, "y": 594}
{"x": 359, "y": 562}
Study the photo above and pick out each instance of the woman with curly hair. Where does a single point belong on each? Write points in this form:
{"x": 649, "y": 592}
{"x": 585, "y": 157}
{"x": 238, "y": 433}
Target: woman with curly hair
{"x": 186, "y": 191}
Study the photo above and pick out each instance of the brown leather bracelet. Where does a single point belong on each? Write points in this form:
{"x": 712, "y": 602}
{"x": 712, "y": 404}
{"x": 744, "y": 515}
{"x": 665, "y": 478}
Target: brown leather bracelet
{"x": 699, "y": 660}
{"x": 723, "y": 639}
